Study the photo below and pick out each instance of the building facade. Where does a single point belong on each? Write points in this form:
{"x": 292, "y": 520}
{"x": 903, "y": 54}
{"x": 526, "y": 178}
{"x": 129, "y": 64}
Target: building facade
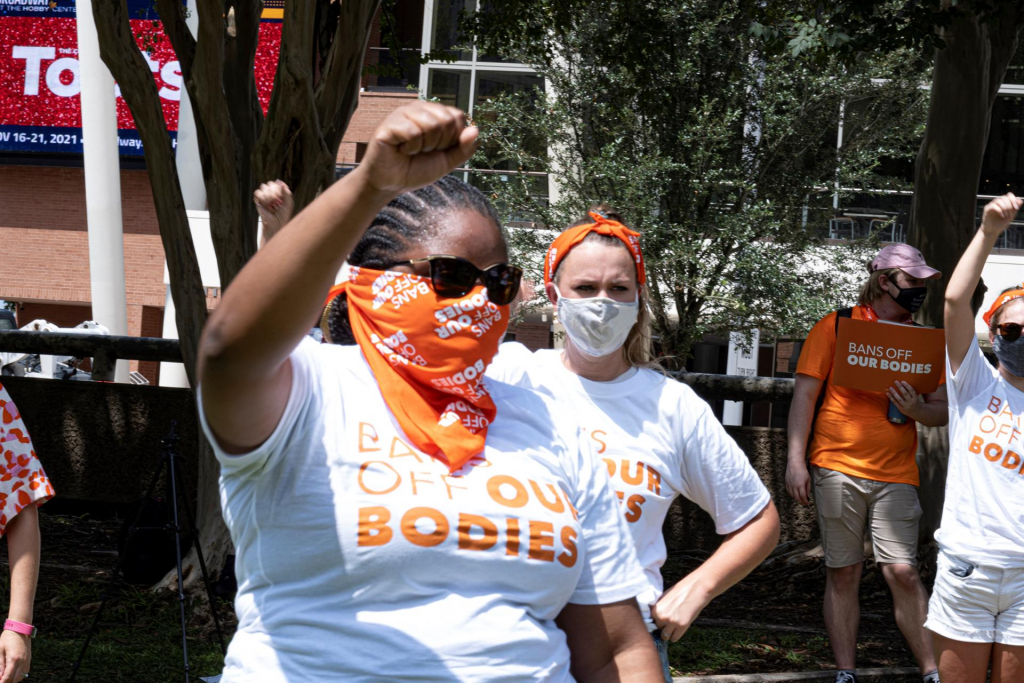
{"x": 414, "y": 49}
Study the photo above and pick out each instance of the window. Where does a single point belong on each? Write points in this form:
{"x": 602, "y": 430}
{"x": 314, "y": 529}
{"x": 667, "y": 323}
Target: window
{"x": 472, "y": 79}
{"x": 1015, "y": 71}
{"x": 393, "y": 54}
{"x": 1001, "y": 168}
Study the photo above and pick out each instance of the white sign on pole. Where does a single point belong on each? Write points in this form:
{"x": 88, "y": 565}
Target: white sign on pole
{"x": 743, "y": 362}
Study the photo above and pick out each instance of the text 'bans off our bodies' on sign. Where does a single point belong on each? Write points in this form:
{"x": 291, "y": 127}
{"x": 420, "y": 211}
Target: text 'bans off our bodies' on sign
{"x": 872, "y": 356}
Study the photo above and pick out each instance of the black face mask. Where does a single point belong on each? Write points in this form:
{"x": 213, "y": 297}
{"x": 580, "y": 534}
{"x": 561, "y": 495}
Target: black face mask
{"x": 910, "y": 298}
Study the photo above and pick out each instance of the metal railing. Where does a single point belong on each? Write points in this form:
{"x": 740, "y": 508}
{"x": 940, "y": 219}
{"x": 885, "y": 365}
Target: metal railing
{"x": 738, "y": 388}
{"x": 105, "y": 349}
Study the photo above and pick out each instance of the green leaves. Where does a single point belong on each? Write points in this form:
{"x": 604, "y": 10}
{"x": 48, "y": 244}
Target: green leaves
{"x": 719, "y": 148}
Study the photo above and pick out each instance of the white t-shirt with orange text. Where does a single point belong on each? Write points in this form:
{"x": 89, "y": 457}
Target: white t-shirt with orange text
{"x": 983, "y": 513}
{"x": 658, "y": 440}
{"x": 360, "y": 558}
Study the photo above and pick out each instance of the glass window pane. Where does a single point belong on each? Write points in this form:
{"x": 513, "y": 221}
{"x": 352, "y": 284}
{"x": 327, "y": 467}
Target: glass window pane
{"x": 1001, "y": 168}
{"x": 1015, "y": 71}
{"x": 491, "y": 84}
{"x": 450, "y": 86}
{"x": 446, "y": 36}
{"x": 537, "y": 187}
{"x": 401, "y": 27}
{"x": 485, "y": 6}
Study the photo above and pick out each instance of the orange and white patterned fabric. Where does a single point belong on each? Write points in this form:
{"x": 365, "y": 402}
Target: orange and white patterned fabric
{"x": 22, "y": 479}
{"x": 568, "y": 239}
{"x": 428, "y": 355}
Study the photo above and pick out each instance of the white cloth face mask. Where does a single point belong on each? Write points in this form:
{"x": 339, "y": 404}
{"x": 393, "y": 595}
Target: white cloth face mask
{"x": 597, "y": 326}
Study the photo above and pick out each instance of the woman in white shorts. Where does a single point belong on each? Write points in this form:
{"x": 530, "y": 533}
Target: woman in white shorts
{"x": 655, "y": 436}
{"x": 396, "y": 518}
{"x": 976, "y": 611}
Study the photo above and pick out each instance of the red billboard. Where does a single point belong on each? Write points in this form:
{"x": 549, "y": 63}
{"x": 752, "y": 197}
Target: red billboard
{"x": 40, "y": 108}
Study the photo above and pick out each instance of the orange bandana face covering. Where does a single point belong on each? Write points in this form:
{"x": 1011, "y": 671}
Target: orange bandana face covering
{"x": 428, "y": 355}
{"x": 1002, "y": 301}
{"x": 560, "y": 248}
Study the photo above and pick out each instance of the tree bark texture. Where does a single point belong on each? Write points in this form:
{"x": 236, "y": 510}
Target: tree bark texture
{"x": 965, "y": 82}
{"x": 316, "y": 91}
{"x": 943, "y": 213}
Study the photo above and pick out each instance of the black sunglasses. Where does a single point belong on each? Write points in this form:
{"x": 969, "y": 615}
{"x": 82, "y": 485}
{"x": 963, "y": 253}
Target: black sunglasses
{"x": 1010, "y": 331}
{"x": 453, "y": 277}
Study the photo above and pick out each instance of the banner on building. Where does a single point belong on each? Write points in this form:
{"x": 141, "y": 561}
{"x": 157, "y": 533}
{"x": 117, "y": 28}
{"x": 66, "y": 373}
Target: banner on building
{"x": 40, "y": 109}
{"x": 872, "y": 356}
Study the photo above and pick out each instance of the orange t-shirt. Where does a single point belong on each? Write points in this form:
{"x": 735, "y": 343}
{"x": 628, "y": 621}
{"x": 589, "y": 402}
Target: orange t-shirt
{"x": 852, "y": 433}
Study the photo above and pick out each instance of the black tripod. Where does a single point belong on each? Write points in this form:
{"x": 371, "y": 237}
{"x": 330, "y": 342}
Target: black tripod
{"x": 169, "y": 457}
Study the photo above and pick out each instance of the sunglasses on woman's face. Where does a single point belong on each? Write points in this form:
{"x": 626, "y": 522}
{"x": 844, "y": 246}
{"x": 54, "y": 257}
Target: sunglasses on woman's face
{"x": 1010, "y": 331}
{"x": 453, "y": 277}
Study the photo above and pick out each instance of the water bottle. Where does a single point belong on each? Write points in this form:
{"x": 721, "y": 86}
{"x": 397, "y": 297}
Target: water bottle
{"x": 894, "y": 414}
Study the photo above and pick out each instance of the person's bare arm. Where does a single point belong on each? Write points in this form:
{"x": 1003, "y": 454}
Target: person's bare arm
{"x": 609, "y": 643}
{"x": 740, "y": 552}
{"x": 276, "y": 298}
{"x": 23, "y": 549}
{"x": 959, "y": 318}
{"x": 931, "y": 410}
{"x": 276, "y": 205}
{"x": 801, "y": 417}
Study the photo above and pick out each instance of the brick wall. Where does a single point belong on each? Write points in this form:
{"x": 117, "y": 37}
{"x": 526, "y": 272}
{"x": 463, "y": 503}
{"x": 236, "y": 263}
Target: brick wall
{"x": 534, "y": 335}
{"x": 53, "y": 265}
{"x": 54, "y": 199}
{"x": 151, "y": 325}
{"x": 61, "y": 315}
{"x": 373, "y": 108}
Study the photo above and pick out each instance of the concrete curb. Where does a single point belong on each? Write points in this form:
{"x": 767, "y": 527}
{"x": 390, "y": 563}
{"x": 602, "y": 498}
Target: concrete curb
{"x": 896, "y": 675}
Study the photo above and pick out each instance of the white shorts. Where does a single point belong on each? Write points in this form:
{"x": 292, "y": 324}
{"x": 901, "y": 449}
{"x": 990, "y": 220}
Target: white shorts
{"x": 977, "y": 604}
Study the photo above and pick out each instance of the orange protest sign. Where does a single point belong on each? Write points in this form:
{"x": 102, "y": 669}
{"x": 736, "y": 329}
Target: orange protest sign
{"x": 871, "y": 356}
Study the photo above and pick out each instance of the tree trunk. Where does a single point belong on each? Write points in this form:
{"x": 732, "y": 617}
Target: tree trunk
{"x": 316, "y": 90}
{"x": 965, "y": 82}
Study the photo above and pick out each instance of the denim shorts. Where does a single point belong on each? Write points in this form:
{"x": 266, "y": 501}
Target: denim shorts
{"x": 974, "y": 603}
{"x": 662, "y": 646}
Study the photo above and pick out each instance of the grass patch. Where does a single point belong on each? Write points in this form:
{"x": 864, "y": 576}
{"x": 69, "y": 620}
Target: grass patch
{"x": 139, "y": 637}
{"x": 706, "y": 651}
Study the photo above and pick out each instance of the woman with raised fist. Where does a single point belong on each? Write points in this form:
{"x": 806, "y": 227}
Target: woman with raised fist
{"x": 397, "y": 518}
{"x": 976, "y": 612}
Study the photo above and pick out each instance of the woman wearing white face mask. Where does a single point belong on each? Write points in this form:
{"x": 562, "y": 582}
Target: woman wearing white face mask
{"x": 656, "y": 437}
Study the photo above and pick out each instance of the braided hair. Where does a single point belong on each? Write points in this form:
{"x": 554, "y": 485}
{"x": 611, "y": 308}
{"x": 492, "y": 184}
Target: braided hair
{"x": 400, "y": 225}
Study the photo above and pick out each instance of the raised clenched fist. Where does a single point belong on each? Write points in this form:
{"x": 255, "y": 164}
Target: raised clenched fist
{"x": 416, "y": 145}
{"x": 275, "y": 204}
{"x": 999, "y": 213}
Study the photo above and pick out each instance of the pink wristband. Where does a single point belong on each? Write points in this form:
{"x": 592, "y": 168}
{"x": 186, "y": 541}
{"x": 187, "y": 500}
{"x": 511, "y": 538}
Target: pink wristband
{"x": 18, "y": 627}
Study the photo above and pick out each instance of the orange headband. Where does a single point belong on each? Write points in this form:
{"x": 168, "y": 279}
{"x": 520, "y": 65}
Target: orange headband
{"x": 1003, "y": 299}
{"x": 564, "y": 243}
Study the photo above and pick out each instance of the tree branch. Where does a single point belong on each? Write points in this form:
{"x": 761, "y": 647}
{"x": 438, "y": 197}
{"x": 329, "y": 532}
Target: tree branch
{"x": 232, "y": 241}
{"x": 335, "y": 103}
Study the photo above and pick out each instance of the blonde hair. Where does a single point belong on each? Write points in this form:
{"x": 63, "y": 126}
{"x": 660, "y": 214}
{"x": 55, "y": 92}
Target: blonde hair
{"x": 872, "y": 290}
{"x": 638, "y": 349}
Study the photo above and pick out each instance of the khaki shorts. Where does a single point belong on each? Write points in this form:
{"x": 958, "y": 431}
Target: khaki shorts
{"x": 848, "y": 505}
